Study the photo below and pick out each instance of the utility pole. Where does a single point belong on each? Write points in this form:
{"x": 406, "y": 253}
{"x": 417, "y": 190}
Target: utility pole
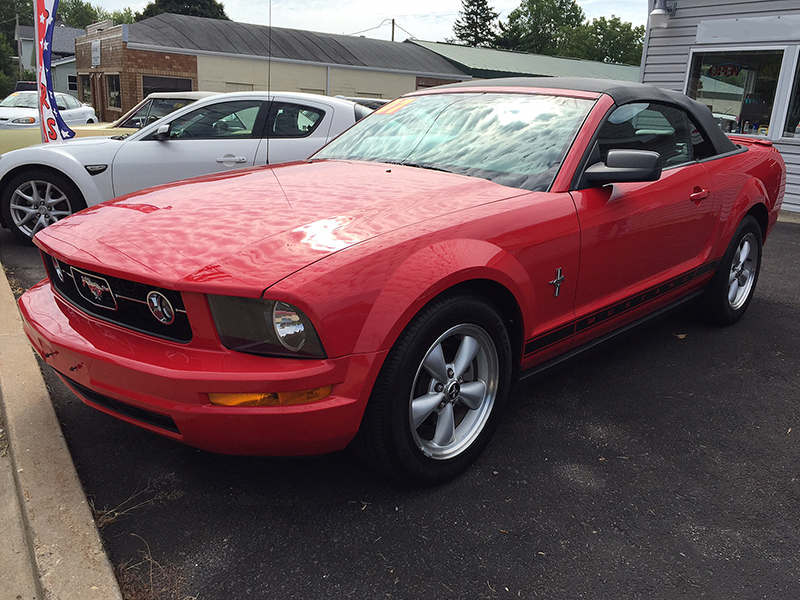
{"x": 16, "y": 35}
{"x": 392, "y": 29}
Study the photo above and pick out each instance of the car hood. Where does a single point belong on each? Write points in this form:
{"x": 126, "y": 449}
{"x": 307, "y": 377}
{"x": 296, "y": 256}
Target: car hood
{"x": 12, "y": 112}
{"x": 240, "y": 233}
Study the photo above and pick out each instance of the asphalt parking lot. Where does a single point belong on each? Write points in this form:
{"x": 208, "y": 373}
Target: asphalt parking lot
{"x": 666, "y": 465}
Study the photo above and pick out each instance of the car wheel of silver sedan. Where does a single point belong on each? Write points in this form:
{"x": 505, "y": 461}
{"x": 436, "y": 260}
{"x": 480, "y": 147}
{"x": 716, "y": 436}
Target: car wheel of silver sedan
{"x": 440, "y": 393}
{"x": 35, "y": 199}
{"x": 732, "y": 287}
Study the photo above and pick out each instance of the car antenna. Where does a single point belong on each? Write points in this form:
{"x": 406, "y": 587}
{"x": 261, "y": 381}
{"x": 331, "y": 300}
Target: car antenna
{"x": 269, "y": 77}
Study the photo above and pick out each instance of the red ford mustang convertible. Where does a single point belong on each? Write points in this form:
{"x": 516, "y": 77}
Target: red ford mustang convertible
{"x": 387, "y": 293}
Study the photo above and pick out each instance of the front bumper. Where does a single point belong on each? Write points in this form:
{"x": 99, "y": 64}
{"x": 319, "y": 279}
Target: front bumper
{"x": 163, "y": 386}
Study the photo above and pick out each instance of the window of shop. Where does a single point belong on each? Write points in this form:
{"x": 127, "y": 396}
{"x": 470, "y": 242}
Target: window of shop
{"x": 86, "y": 89}
{"x": 114, "y": 99}
{"x": 738, "y": 86}
{"x": 152, "y": 83}
{"x": 792, "y": 127}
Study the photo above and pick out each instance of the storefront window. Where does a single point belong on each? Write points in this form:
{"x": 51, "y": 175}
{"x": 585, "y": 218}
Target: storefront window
{"x": 792, "y": 128}
{"x": 114, "y": 96}
{"x": 86, "y": 89}
{"x": 738, "y": 87}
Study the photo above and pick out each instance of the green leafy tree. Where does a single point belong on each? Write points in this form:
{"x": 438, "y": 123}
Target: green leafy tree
{"x": 540, "y": 26}
{"x": 10, "y": 9}
{"x": 79, "y": 14}
{"x": 8, "y": 69}
{"x": 606, "y": 40}
{"x": 125, "y": 15}
{"x": 197, "y": 8}
{"x": 475, "y": 25}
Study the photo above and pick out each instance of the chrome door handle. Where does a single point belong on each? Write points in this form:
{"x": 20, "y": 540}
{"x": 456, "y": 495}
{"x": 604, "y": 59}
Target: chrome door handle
{"x": 232, "y": 159}
{"x": 699, "y": 194}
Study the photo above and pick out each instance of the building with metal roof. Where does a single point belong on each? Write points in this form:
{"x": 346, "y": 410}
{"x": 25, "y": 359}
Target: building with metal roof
{"x": 487, "y": 63}
{"x": 118, "y": 65}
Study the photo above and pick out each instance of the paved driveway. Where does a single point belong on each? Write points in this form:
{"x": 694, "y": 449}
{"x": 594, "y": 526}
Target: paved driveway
{"x": 666, "y": 465}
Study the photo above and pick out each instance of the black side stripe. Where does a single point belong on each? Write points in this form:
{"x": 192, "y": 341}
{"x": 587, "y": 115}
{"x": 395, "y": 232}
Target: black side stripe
{"x": 549, "y": 338}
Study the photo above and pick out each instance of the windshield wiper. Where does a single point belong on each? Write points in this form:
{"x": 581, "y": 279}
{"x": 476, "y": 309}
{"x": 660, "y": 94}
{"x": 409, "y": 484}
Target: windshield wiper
{"x": 417, "y": 165}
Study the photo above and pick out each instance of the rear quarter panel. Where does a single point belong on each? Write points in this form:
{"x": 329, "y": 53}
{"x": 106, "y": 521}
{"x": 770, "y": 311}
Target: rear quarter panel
{"x": 742, "y": 181}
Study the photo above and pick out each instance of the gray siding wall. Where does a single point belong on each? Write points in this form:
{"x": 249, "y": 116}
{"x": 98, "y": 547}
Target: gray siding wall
{"x": 666, "y": 59}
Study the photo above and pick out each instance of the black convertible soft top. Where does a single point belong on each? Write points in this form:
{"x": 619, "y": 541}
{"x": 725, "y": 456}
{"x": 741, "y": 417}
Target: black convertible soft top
{"x": 622, "y": 92}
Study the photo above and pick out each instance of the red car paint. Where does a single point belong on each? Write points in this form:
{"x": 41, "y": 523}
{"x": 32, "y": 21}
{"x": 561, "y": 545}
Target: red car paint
{"x": 361, "y": 248}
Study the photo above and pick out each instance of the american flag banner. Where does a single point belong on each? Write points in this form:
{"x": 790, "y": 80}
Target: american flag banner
{"x": 53, "y": 126}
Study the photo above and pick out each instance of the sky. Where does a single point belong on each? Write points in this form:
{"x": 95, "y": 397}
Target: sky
{"x": 428, "y": 20}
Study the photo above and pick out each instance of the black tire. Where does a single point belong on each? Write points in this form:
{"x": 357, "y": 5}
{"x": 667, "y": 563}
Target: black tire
{"x": 26, "y": 212}
{"x": 730, "y": 291}
{"x": 471, "y": 401}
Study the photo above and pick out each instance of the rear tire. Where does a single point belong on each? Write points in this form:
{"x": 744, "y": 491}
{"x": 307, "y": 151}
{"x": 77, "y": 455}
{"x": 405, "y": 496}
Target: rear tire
{"x": 731, "y": 289}
{"x": 35, "y": 199}
{"x": 440, "y": 393}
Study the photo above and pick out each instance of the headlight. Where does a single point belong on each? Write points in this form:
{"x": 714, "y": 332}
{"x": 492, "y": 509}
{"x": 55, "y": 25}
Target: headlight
{"x": 24, "y": 120}
{"x": 264, "y": 327}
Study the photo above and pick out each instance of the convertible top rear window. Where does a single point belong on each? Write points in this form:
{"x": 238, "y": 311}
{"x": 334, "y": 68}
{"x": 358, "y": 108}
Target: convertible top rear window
{"x": 517, "y": 140}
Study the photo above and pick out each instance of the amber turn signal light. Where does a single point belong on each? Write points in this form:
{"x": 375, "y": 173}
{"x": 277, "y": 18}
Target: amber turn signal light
{"x": 271, "y": 398}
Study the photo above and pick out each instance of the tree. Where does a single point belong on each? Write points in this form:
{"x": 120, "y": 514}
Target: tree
{"x": 605, "y": 40}
{"x": 198, "y": 8}
{"x": 79, "y": 14}
{"x": 540, "y": 26}
{"x": 8, "y": 10}
{"x": 125, "y": 15}
{"x": 475, "y": 24}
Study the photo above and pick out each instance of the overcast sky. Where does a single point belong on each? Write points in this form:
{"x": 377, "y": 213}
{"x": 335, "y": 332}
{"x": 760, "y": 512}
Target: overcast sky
{"x": 429, "y": 20}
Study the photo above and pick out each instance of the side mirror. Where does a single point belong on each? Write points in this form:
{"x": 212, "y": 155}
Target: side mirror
{"x": 624, "y": 166}
{"x": 162, "y": 133}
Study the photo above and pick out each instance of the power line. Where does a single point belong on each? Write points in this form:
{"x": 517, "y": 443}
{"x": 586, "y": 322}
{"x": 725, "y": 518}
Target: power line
{"x": 381, "y": 24}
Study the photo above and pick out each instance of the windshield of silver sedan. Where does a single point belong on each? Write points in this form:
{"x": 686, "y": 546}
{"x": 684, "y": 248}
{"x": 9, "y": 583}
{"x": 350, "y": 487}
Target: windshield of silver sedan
{"x": 517, "y": 140}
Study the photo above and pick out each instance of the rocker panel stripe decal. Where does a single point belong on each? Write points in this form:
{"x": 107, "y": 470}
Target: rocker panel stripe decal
{"x": 549, "y": 338}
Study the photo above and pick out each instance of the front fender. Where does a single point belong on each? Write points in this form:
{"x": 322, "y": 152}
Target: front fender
{"x": 431, "y": 271}
{"x": 69, "y": 166}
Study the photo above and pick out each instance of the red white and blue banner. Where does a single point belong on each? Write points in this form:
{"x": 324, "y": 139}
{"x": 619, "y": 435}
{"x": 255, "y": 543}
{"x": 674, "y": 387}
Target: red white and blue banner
{"x": 53, "y": 126}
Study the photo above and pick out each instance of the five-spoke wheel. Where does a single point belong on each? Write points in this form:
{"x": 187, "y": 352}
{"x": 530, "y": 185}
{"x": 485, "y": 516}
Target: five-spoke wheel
{"x": 731, "y": 289}
{"x": 454, "y": 391}
{"x": 439, "y": 395}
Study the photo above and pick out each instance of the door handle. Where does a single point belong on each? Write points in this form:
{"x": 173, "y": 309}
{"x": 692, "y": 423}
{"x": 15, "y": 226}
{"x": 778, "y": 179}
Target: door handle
{"x": 232, "y": 159}
{"x": 699, "y": 194}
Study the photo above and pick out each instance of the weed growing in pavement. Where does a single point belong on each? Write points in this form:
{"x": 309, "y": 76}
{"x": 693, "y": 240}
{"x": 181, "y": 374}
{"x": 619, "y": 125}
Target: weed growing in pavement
{"x": 107, "y": 516}
{"x": 148, "y": 579}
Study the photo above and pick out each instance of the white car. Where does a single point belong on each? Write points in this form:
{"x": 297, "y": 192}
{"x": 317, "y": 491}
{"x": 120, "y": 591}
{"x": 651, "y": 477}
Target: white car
{"x": 42, "y": 184}
{"x": 20, "y": 109}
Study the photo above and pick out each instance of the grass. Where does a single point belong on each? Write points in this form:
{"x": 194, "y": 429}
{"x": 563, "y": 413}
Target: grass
{"x": 149, "y": 579}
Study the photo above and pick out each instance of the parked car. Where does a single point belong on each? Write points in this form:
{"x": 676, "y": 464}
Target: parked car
{"x": 387, "y": 293}
{"x": 42, "y": 184}
{"x": 21, "y": 109}
{"x": 150, "y": 109}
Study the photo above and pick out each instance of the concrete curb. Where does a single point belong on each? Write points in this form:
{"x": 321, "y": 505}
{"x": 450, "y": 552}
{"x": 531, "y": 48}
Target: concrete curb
{"x": 67, "y": 556}
{"x": 789, "y": 217}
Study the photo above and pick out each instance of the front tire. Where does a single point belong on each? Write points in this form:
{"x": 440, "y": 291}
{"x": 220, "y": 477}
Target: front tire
{"x": 440, "y": 393}
{"x": 35, "y": 199}
{"x": 731, "y": 289}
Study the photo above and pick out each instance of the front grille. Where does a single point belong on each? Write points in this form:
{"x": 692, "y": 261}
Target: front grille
{"x": 133, "y": 412}
{"x": 118, "y": 301}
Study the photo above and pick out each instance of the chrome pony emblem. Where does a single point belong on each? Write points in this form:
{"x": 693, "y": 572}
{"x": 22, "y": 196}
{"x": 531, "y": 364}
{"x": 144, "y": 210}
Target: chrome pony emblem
{"x": 96, "y": 290}
{"x": 557, "y": 282}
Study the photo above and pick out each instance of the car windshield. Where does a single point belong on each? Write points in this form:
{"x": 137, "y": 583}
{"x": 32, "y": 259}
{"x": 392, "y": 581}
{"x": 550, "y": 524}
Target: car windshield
{"x": 20, "y": 101}
{"x": 517, "y": 140}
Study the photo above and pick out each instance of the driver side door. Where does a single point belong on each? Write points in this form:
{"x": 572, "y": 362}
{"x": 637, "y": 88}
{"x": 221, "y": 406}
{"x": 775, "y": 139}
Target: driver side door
{"x": 216, "y": 137}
